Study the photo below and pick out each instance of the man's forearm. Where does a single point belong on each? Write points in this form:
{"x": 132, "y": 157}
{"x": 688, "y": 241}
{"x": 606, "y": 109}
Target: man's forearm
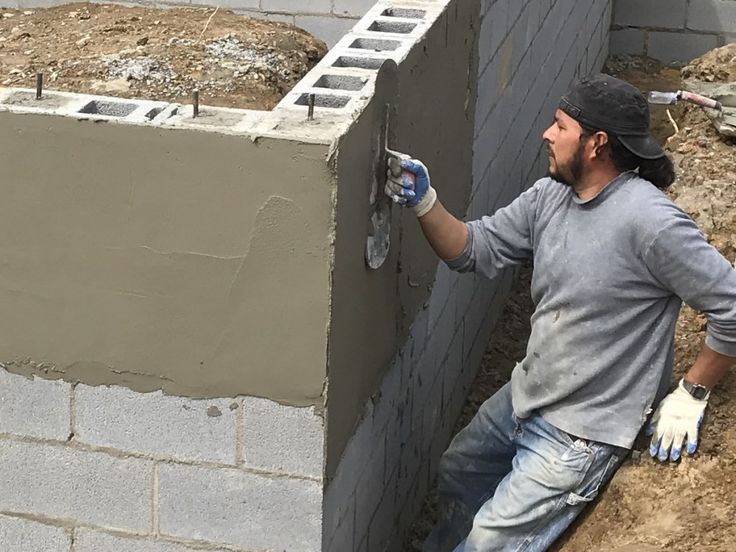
{"x": 447, "y": 235}
{"x": 709, "y": 368}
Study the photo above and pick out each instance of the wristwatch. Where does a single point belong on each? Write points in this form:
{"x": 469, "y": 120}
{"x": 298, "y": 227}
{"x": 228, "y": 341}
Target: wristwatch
{"x": 697, "y": 391}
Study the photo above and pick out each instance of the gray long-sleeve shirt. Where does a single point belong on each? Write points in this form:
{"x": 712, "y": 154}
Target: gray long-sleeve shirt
{"x": 609, "y": 277}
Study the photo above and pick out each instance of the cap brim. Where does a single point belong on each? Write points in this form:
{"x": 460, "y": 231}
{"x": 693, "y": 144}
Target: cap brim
{"x": 645, "y": 147}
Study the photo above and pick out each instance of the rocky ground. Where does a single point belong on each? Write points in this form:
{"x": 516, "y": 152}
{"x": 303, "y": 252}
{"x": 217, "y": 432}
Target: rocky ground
{"x": 647, "y": 507}
{"x": 156, "y": 54}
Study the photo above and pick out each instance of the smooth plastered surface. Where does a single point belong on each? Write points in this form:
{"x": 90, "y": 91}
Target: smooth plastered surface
{"x": 193, "y": 262}
{"x": 373, "y": 310}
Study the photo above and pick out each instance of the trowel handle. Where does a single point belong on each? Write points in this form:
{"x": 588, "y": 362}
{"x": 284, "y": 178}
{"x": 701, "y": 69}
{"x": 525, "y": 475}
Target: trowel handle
{"x": 394, "y": 165}
{"x": 697, "y": 99}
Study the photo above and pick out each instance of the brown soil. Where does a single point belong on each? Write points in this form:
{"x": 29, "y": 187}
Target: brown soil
{"x": 648, "y": 506}
{"x": 156, "y": 54}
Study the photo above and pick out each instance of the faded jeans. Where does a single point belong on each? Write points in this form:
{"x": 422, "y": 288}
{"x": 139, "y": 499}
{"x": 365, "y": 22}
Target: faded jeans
{"x": 521, "y": 482}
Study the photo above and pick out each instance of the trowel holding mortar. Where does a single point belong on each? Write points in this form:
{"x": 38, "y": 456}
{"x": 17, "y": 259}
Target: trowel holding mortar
{"x": 718, "y": 99}
{"x": 378, "y": 242}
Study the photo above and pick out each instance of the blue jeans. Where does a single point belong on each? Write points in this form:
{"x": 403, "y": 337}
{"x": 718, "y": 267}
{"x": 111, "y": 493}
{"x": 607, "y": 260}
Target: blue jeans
{"x": 511, "y": 485}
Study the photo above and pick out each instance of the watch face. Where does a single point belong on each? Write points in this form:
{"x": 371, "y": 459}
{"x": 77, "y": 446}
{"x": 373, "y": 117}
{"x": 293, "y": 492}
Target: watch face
{"x": 699, "y": 392}
{"x": 696, "y": 390}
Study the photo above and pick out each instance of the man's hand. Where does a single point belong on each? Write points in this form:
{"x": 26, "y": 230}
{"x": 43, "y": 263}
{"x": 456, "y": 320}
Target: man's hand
{"x": 409, "y": 185}
{"x": 678, "y": 418}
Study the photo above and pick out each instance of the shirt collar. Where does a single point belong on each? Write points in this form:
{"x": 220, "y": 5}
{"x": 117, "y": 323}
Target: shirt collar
{"x": 606, "y": 190}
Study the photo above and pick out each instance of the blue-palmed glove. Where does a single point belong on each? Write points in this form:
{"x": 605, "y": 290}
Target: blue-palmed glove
{"x": 676, "y": 421}
{"x": 408, "y": 184}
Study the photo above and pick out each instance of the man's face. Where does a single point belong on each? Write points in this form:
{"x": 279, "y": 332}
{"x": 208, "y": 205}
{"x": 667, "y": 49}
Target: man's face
{"x": 565, "y": 149}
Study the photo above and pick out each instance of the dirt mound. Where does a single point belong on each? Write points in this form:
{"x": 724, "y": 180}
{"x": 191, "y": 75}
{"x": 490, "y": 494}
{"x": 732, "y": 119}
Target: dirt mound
{"x": 156, "y": 54}
{"x": 718, "y": 65}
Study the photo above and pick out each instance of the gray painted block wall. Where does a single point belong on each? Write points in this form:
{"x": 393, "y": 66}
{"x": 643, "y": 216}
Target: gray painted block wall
{"x": 672, "y": 31}
{"x": 529, "y": 53}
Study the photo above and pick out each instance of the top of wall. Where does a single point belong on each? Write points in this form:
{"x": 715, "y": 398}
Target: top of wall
{"x": 339, "y": 87}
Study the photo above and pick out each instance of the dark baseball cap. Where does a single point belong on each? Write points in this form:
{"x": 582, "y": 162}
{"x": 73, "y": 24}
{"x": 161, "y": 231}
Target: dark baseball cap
{"x": 603, "y": 102}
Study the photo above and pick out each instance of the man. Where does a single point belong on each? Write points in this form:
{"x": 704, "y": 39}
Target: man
{"x": 613, "y": 258}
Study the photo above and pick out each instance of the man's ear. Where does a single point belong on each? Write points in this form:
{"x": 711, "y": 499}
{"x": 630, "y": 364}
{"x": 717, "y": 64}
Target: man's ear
{"x": 600, "y": 141}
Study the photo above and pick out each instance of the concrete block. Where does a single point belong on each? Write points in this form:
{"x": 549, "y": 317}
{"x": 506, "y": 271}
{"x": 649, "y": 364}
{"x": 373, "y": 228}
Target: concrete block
{"x": 370, "y": 489}
{"x": 451, "y": 368}
{"x": 485, "y": 146}
{"x": 88, "y": 540}
{"x": 229, "y": 506}
{"x": 418, "y": 334}
{"x": 302, "y": 7}
{"x": 327, "y": 28}
{"x": 257, "y": 14}
{"x": 679, "y": 48}
{"x": 445, "y": 280}
{"x": 230, "y": 4}
{"x": 282, "y": 438}
{"x": 157, "y": 424}
{"x": 22, "y": 4}
{"x": 342, "y": 537}
{"x": 352, "y": 8}
{"x": 490, "y": 88}
{"x": 515, "y": 9}
{"x": 63, "y": 483}
{"x": 382, "y": 528}
{"x": 387, "y": 401}
{"x": 668, "y": 14}
{"x": 22, "y": 535}
{"x": 493, "y": 29}
{"x": 34, "y": 407}
{"x": 355, "y": 461}
{"x": 395, "y": 437}
{"x": 712, "y": 15}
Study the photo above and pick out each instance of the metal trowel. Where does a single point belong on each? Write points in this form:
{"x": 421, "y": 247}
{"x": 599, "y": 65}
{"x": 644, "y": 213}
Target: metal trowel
{"x": 385, "y": 100}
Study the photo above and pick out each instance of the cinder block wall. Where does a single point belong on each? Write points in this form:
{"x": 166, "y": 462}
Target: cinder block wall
{"x": 672, "y": 31}
{"x": 527, "y": 52}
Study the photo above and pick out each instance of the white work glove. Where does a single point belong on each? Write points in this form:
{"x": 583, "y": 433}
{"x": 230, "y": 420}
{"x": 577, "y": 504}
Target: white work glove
{"x": 678, "y": 418}
{"x": 407, "y": 183}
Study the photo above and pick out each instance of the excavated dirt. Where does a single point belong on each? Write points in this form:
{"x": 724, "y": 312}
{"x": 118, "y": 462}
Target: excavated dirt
{"x": 156, "y": 54}
{"x": 649, "y": 507}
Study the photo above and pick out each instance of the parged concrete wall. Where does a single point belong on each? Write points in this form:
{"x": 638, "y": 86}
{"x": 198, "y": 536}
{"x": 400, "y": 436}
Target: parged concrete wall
{"x": 162, "y": 259}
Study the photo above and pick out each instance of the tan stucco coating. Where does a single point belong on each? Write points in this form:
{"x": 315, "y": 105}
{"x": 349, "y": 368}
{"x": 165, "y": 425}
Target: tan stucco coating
{"x": 188, "y": 261}
{"x": 373, "y": 310}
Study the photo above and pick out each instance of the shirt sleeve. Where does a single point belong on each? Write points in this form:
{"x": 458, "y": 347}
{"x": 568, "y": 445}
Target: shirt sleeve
{"x": 684, "y": 262}
{"x": 501, "y": 240}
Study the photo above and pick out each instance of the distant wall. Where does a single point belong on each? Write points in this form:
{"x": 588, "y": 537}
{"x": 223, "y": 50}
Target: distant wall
{"x": 672, "y": 31}
{"x": 328, "y": 20}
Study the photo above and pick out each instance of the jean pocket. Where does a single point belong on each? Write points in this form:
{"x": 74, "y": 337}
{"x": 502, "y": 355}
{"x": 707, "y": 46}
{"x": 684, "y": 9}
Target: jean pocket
{"x": 591, "y": 485}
